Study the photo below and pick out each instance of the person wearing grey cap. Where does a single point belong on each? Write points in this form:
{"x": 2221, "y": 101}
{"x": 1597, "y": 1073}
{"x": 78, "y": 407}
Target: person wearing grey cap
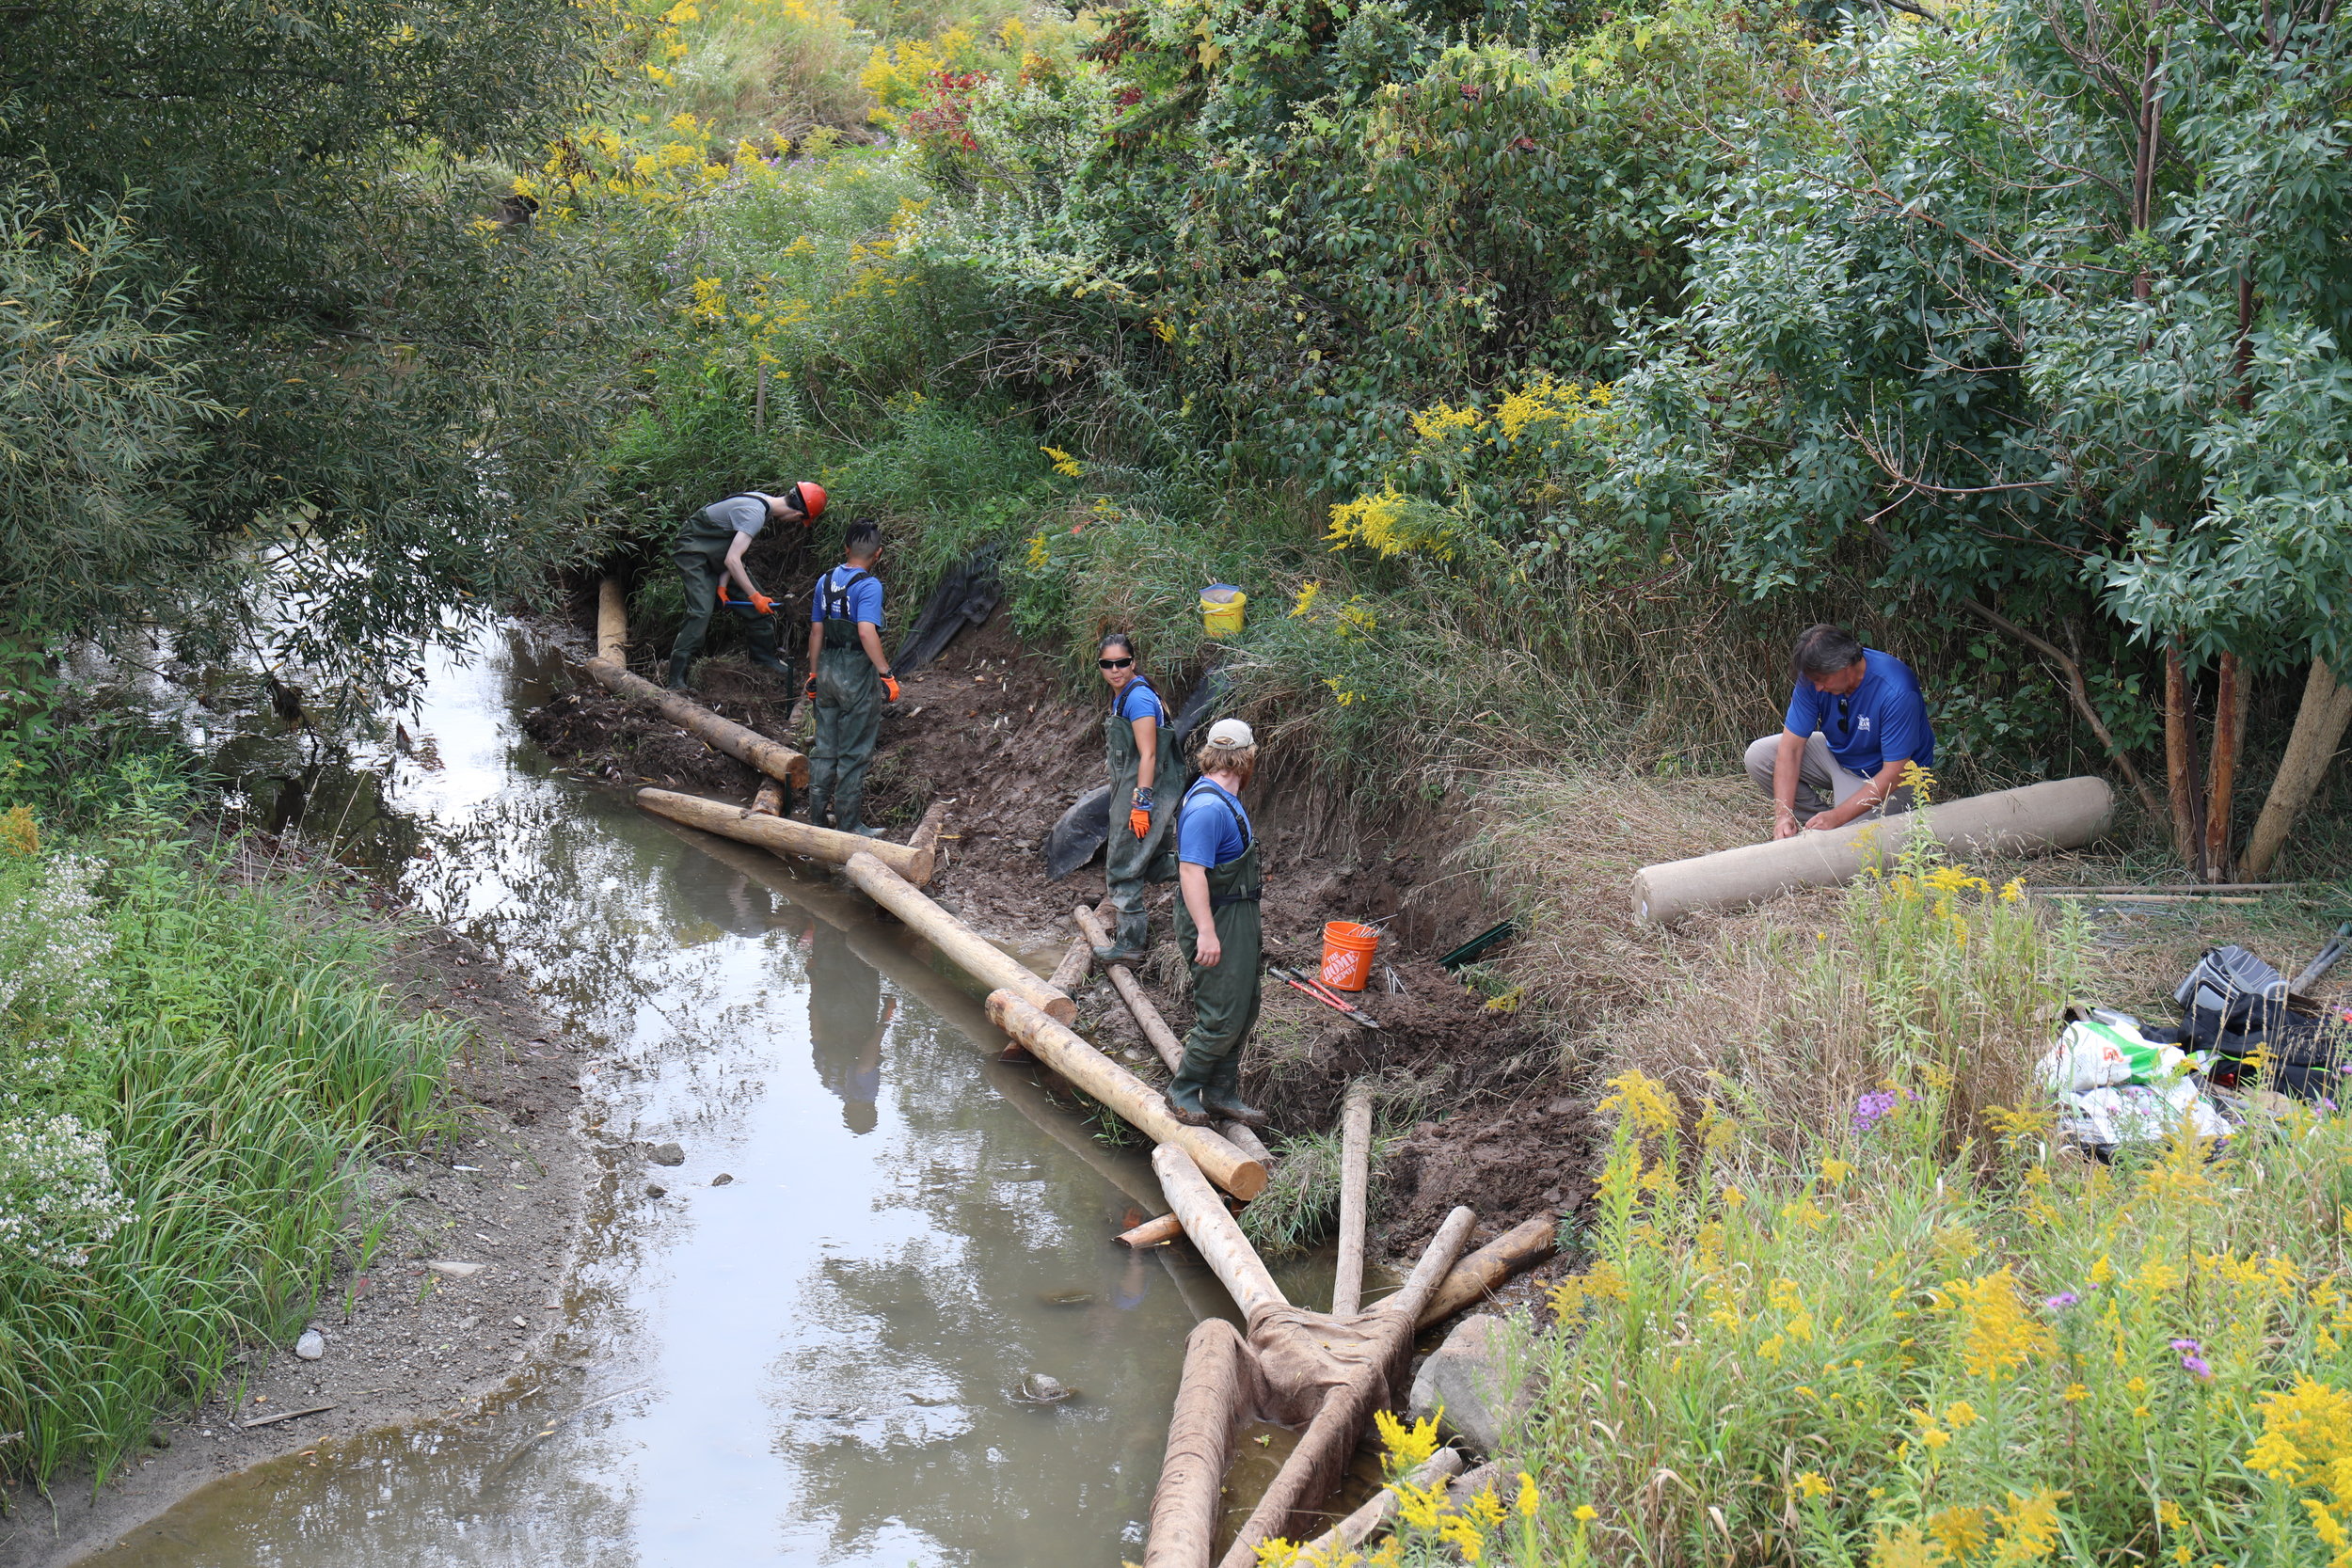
{"x": 1216, "y": 918}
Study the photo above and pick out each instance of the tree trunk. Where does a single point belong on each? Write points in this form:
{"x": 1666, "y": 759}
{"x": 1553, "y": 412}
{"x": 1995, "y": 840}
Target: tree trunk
{"x": 2319, "y": 725}
{"x": 1347, "y": 1285}
{"x": 2179, "y": 759}
{"x": 2229, "y": 718}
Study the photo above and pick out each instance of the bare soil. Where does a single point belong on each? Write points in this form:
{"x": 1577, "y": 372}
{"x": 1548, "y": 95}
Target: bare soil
{"x": 994, "y": 728}
{"x": 403, "y": 1343}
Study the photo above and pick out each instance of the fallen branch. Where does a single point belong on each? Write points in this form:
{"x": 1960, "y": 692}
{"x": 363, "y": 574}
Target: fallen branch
{"x": 285, "y": 1416}
{"x": 2079, "y": 694}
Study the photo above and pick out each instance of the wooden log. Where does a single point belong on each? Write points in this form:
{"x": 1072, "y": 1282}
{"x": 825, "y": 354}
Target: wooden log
{"x": 1322, "y": 1453}
{"x": 745, "y": 746}
{"x": 926, "y": 831}
{"x": 612, "y": 622}
{"x": 1164, "y": 1042}
{"x": 1347, "y": 1287}
{"x": 780, "y": 835}
{"x": 1153, "y": 1232}
{"x": 962, "y": 947}
{"x": 1077, "y": 962}
{"x": 1522, "y": 1247}
{"x": 1369, "y": 1520}
{"x": 769, "y": 802}
{"x": 1214, "y": 1234}
{"x": 1185, "y": 1504}
{"x": 1142, "y": 1106}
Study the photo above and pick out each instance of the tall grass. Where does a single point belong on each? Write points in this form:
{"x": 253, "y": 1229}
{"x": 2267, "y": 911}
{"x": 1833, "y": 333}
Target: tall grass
{"x": 227, "y": 1039}
{"x": 1847, "y": 1304}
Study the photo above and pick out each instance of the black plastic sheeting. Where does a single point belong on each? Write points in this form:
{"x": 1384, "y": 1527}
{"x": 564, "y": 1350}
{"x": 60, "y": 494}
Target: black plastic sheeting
{"x": 1081, "y": 831}
{"x": 966, "y": 596}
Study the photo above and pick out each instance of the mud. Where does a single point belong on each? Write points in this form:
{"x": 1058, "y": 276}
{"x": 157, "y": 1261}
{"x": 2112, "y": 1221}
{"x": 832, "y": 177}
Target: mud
{"x": 993, "y": 728}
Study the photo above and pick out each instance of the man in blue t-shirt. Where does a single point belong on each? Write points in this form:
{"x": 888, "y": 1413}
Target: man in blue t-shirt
{"x": 1855, "y": 721}
{"x": 849, "y": 680}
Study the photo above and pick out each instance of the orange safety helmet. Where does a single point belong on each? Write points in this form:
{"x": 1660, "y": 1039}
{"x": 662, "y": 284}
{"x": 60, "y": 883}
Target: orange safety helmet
{"x": 812, "y": 498}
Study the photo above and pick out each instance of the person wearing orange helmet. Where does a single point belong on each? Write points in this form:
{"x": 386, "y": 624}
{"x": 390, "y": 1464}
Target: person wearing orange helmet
{"x": 710, "y": 556}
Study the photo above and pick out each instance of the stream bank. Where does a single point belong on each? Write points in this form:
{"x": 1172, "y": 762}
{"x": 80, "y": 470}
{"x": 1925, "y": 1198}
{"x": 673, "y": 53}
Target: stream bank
{"x": 990, "y": 727}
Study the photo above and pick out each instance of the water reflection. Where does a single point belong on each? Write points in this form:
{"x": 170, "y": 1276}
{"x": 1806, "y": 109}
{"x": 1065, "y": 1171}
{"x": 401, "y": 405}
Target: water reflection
{"x": 816, "y": 1363}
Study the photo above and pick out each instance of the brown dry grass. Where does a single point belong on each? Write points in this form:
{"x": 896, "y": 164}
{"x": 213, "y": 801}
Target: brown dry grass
{"x": 1770, "y": 1009}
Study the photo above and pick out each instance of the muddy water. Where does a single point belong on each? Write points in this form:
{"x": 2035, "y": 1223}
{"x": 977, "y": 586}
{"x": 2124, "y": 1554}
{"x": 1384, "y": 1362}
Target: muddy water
{"x": 820, "y": 1362}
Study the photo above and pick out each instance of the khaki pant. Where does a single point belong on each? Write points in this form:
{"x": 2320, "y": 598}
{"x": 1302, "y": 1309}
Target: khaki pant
{"x": 1822, "y": 781}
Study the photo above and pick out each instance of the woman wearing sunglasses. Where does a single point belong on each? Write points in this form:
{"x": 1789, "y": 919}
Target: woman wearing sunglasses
{"x": 1137, "y": 853}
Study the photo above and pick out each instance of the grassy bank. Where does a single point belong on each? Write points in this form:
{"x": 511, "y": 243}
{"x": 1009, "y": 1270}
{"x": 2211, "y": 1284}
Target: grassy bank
{"x": 199, "y": 1068}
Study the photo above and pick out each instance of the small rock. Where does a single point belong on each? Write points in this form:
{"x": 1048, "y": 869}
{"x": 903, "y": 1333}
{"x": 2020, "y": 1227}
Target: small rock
{"x": 454, "y": 1270}
{"x": 1463, "y": 1384}
{"x": 722, "y": 1179}
{"x": 312, "y": 1345}
{"x": 657, "y": 1190}
{"x": 1038, "y": 1389}
{"x": 667, "y": 1154}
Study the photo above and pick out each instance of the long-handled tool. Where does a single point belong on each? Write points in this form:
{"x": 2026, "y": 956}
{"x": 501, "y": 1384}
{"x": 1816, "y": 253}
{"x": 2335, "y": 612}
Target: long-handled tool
{"x": 1322, "y": 993}
{"x": 2322, "y": 964}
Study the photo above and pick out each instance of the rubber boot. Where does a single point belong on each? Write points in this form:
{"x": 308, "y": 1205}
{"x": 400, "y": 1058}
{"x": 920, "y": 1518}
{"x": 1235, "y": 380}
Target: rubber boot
{"x": 678, "y": 672}
{"x": 1130, "y": 944}
{"x": 1222, "y": 1097}
{"x": 1185, "y": 1091}
{"x": 817, "y": 804}
{"x": 760, "y": 633}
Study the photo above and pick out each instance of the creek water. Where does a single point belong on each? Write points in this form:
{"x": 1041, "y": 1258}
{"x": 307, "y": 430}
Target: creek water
{"x": 818, "y": 1363}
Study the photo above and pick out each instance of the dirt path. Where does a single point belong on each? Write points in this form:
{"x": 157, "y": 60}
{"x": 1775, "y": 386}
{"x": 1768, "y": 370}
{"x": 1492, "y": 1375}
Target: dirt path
{"x": 993, "y": 728}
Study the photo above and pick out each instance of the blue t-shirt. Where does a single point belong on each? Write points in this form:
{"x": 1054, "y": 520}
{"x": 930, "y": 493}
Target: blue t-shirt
{"x": 865, "y": 600}
{"x": 1137, "y": 700}
{"x": 1882, "y": 720}
{"x": 1207, "y": 832}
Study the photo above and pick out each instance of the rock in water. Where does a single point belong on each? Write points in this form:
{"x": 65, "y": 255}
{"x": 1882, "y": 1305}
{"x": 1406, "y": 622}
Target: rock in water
{"x": 722, "y": 1179}
{"x": 312, "y": 1345}
{"x": 667, "y": 1154}
{"x": 1038, "y": 1389}
{"x": 1465, "y": 1384}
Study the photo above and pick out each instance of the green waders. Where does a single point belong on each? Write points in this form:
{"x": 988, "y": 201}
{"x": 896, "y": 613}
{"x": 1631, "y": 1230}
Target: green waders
{"x": 701, "y": 554}
{"x": 848, "y": 720}
{"x": 1225, "y": 993}
{"x": 1132, "y": 864}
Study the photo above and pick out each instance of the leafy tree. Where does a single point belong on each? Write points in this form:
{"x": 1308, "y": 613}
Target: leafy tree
{"x": 2042, "y": 305}
{"x": 388, "y": 381}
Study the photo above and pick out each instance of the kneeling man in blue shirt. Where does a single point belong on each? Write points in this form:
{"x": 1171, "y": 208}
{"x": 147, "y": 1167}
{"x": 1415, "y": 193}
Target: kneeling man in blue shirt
{"x": 1855, "y": 720}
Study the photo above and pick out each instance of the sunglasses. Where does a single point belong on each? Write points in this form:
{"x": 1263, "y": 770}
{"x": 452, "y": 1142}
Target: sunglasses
{"x": 1114, "y": 663}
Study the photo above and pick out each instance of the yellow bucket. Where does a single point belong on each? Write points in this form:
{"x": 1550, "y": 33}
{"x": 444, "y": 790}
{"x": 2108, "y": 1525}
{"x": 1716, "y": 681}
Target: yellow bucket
{"x": 1221, "y": 605}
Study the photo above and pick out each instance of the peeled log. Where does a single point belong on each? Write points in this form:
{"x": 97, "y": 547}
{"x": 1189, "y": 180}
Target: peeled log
{"x": 2064, "y": 813}
{"x": 1164, "y": 1042}
{"x": 612, "y": 622}
{"x": 1367, "y": 1521}
{"x": 769, "y": 801}
{"x": 1217, "y": 1385}
{"x": 1158, "y": 1231}
{"x": 969, "y": 951}
{"x": 745, "y": 746}
{"x": 1347, "y": 1286}
{"x": 1522, "y": 1247}
{"x": 783, "y": 836}
{"x": 1214, "y": 1234}
{"x": 1142, "y": 1106}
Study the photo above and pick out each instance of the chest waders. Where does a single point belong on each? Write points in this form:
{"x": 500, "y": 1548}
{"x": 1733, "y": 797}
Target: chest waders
{"x": 1225, "y": 993}
{"x": 1132, "y": 864}
{"x": 849, "y": 711}
{"x": 701, "y": 557}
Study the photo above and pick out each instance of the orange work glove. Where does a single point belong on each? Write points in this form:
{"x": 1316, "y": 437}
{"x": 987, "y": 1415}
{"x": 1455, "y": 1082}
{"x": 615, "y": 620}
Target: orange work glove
{"x": 762, "y": 603}
{"x": 810, "y": 689}
{"x": 1140, "y": 821}
{"x": 890, "y": 688}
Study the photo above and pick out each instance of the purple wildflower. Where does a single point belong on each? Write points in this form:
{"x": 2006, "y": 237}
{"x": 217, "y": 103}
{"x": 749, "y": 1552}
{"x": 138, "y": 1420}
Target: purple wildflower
{"x": 2187, "y": 1347}
{"x": 2060, "y": 1301}
{"x": 1871, "y": 1108}
{"x": 2327, "y": 1104}
{"x": 2199, "y": 1366}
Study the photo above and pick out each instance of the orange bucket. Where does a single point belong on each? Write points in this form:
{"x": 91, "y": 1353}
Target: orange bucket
{"x": 1348, "y": 950}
